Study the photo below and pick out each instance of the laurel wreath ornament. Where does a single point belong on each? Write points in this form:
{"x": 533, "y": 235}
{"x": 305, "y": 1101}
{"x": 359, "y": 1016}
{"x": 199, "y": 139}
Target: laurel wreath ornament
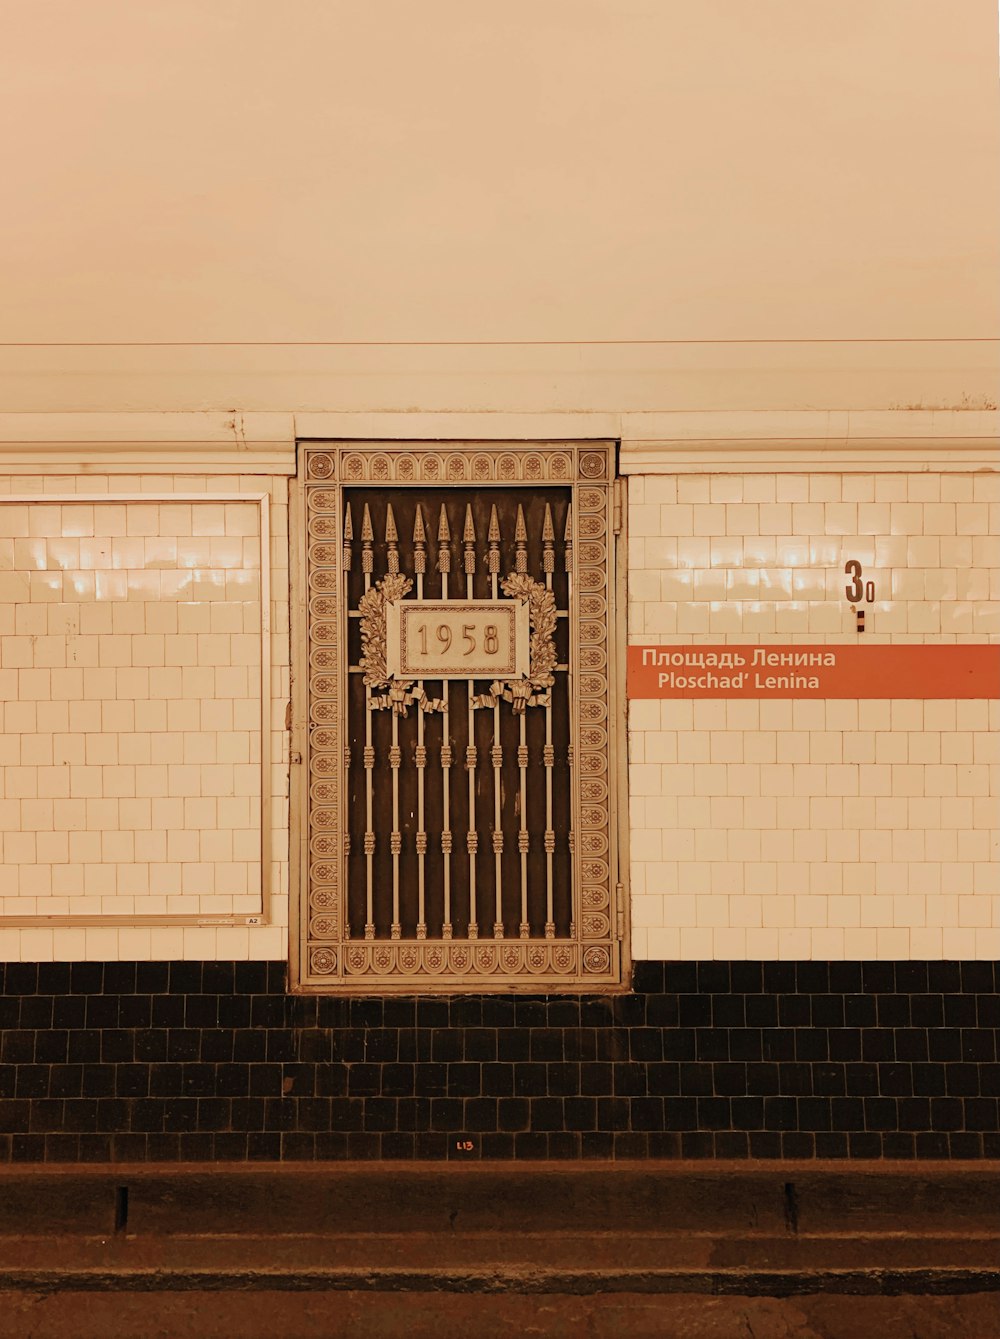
{"x": 536, "y": 689}
{"x": 399, "y": 694}
{"x": 373, "y": 634}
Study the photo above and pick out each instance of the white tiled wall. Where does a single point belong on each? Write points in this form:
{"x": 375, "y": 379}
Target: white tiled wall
{"x": 130, "y": 691}
{"x": 761, "y": 829}
{"x": 824, "y": 828}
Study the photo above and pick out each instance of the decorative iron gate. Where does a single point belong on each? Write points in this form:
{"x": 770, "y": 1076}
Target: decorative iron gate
{"x": 457, "y": 814}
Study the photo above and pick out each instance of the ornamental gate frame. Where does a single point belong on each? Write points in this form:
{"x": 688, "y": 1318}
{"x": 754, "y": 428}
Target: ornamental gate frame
{"x": 409, "y": 795}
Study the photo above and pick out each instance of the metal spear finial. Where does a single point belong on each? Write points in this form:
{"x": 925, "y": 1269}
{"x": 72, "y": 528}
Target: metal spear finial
{"x": 348, "y": 537}
{"x": 521, "y": 541}
{"x": 392, "y": 540}
{"x": 469, "y": 540}
{"x": 444, "y": 542}
{"x": 367, "y": 538}
{"x": 548, "y": 542}
{"x": 493, "y": 537}
{"x": 419, "y": 543}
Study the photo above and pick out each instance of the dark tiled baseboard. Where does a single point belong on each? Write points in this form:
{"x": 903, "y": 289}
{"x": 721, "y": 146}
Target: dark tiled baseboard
{"x": 214, "y": 1061}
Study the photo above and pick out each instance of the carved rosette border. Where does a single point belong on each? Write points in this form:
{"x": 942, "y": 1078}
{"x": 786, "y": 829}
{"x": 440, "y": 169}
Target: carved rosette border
{"x": 329, "y": 960}
{"x": 591, "y": 730}
{"x": 322, "y": 920}
{"x": 478, "y": 959}
{"x": 469, "y": 466}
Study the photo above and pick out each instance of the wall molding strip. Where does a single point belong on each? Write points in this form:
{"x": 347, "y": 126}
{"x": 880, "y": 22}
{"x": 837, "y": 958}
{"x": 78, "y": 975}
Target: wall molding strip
{"x": 256, "y": 442}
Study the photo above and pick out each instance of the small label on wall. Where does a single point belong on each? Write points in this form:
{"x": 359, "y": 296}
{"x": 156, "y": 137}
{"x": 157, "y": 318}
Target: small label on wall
{"x": 814, "y": 671}
{"x": 445, "y": 639}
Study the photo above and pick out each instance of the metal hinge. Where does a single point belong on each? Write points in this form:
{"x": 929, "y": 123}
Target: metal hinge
{"x": 620, "y": 901}
{"x": 616, "y": 506}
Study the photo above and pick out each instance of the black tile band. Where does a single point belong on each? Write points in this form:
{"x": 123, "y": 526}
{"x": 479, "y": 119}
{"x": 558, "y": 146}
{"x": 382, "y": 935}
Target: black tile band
{"x": 190, "y": 1061}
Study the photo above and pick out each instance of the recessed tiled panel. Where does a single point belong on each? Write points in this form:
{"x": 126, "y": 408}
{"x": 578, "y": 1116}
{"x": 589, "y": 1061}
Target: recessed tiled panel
{"x": 824, "y": 829}
{"x": 130, "y": 692}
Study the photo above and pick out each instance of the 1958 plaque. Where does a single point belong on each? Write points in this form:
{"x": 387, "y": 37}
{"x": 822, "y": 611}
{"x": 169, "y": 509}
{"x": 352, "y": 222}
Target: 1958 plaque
{"x": 452, "y": 639}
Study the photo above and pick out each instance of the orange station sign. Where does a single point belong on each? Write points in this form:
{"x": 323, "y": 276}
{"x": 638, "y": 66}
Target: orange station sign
{"x": 814, "y": 671}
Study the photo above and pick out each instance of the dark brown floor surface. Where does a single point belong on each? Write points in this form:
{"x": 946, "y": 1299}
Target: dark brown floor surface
{"x": 281, "y": 1315}
{"x": 494, "y": 1252}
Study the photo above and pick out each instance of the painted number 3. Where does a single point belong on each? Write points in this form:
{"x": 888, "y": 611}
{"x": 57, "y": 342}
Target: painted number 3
{"x": 858, "y": 591}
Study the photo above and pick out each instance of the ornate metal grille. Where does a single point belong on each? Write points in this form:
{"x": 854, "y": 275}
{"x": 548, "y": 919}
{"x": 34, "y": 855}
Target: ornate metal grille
{"x": 458, "y": 816}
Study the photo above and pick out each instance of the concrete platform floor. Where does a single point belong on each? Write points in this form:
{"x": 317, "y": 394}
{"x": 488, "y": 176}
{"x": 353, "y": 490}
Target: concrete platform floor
{"x": 281, "y": 1315}
{"x": 807, "y": 1251}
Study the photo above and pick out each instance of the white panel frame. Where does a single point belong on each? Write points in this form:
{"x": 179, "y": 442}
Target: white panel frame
{"x": 263, "y": 504}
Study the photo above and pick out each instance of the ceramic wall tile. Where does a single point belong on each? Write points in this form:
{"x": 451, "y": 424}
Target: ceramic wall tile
{"x": 130, "y": 755}
{"x": 857, "y": 834}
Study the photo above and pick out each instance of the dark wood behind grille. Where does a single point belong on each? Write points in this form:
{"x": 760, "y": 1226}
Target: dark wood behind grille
{"x": 404, "y": 503}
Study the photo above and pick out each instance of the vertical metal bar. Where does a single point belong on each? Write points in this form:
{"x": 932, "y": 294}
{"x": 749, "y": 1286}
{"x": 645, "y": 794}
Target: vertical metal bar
{"x": 472, "y": 835}
{"x": 420, "y": 757}
{"x": 395, "y": 753}
{"x": 571, "y": 842}
{"x": 395, "y": 838}
{"x": 496, "y": 753}
{"x": 444, "y": 567}
{"x": 524, "y": 929}
{"x": 367, "y": 564}
{"x": 548, "y": 753}
{"x": 347, "y": 560}
{"x": 521, "y": 566}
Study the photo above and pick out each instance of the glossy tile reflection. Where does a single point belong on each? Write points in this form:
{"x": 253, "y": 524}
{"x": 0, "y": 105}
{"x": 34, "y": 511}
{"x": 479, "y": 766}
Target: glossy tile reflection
{"x": 814, "y": 829}
{"x": 130, "y": 682}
